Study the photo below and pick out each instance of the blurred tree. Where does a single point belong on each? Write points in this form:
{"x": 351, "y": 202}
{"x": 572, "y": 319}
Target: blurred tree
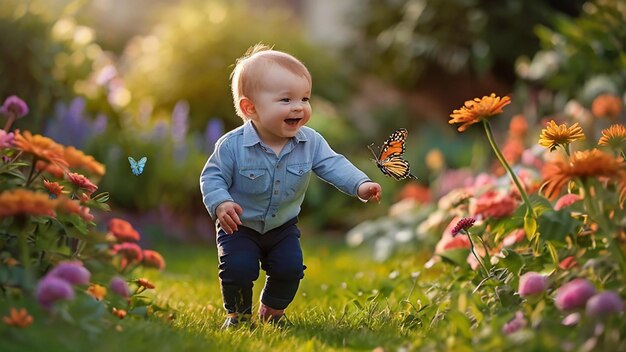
{"x": 191, "y": 53}
{"x": 44, "y": 53}
{"x": 582, "y": 57}
{"x": 403, "y": 39}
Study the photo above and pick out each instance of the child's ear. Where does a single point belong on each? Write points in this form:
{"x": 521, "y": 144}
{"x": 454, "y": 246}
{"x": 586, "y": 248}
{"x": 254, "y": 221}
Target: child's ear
{"x": 247, "y": 107}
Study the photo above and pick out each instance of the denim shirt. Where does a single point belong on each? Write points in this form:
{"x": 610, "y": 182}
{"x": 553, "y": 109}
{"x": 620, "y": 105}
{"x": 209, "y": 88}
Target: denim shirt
{"x": 270, "y": 188}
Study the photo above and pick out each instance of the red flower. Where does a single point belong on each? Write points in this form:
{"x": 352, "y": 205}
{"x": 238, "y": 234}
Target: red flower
{"x": 123, "y": 231}
{"x": 153, "y": 259}
{"x": 463, "y": 225}
{"x": 130, "y": 252}
{"x": 493, "y": 205}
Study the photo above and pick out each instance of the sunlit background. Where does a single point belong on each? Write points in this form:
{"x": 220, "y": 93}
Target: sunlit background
{"x": 119, "y": 78}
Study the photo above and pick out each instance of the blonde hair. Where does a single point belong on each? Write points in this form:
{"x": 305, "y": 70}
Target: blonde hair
{"x": 250, "y": 66}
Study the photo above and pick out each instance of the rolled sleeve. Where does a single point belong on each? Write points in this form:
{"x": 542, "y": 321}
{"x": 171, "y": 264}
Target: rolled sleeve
{"x": 216, "y": 177}
{"x": 336, "y": 169}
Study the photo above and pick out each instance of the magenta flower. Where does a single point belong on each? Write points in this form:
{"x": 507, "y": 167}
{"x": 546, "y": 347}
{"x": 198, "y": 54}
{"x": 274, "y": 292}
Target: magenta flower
{"x": 574, "y": 294}
{"x": 51, "y": 289}
{"x": 463, "y": 225}
{"x": 71, "y": 271}
{"x": 518, "y": 322}
{"x": 119, "y": 286}
{"x": 14, "y": 107}
{"x": 6, "y": 139}
{"x": 604, "y": 304}
{"x": 532, "y": 284}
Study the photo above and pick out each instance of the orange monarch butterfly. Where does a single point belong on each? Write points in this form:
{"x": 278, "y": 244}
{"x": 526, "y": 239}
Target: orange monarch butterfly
{"x": 390, "y": 160}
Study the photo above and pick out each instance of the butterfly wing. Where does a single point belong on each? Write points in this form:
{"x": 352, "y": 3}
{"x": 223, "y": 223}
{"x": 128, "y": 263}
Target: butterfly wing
{"x": 390, "y": 160}
{"x": 141, "y": 164}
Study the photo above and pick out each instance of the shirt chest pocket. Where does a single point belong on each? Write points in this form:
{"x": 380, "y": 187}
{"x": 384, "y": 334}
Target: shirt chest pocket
{"x": 298, "y": 176}
{"x": 254, "y": 181}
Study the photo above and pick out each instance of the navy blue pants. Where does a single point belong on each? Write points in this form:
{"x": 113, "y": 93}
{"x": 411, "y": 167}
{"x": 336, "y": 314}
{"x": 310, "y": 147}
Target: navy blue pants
{"x": 279, "y": 254}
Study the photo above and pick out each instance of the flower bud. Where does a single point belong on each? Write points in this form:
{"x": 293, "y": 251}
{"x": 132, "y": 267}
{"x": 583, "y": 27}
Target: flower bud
{"x": 119, "y": 286}
{"x": 71, "y": 271}
{"x": 604, "y": 304}
{"x": 574, "y": 294}
{"x": 51, "y": 289}
{"x": 532, "y": 284}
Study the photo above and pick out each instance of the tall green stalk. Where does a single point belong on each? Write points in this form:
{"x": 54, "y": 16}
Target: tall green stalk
{"x": 508, "y": 168}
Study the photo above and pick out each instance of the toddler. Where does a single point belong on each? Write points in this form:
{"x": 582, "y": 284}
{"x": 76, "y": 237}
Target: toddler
{"x": 254, "y": 182}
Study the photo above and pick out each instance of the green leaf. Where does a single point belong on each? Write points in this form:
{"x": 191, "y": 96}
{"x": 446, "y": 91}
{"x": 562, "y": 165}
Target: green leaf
{"x": 512, "y": 261}
{"x": 530, "y": 226}
{"x": 553, "y": 253}
{"x": 557, "y": 225}
{"x": 457, "y": 256}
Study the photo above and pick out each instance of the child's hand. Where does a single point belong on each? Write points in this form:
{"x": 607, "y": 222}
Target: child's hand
{"x": 369, "y": 191}
{"x": 228, "y": 215}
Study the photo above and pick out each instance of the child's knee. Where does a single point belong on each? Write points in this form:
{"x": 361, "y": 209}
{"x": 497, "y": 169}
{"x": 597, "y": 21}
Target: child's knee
{"x": 238, "y": 269}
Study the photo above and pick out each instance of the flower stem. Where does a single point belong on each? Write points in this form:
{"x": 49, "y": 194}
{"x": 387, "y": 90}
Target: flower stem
{"x": 508, "y": 168}
{"x": 9, "y": 123}
{"x": 469, "y": 237}
{"x": 32, "y": 171}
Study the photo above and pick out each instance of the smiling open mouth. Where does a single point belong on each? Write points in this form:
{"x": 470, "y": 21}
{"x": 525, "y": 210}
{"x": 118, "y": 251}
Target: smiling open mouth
{"x": 292, "y": 121}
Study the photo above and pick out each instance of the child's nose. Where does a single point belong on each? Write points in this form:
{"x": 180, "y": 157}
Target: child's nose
{"x": 297, "y": 106}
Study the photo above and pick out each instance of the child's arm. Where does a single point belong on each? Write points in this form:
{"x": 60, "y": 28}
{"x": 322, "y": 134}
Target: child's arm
{"x": 228, "y": 215}
{"x": 216, "y": 178}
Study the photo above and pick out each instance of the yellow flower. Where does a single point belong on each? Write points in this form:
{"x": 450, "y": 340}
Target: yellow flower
{"x": 552, "y": 136}
{"x": 97, "y": 291}
{"x": 478, "y": 109}
{"x": 19, "y": 318}
{"x": 583, "y": 164}
{"x": 614, "y": 137}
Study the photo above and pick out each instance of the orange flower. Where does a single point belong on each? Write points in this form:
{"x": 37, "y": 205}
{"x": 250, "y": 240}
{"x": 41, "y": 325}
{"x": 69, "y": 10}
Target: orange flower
{"x": 614, "y": 137}
{"x": 153, "y": 259}
{"x": 53, "y": 188}
{"x": 552, "y": 136}
{"x": 97, "y": 291}
{"x": 143, "y": 282}
{"x": 130, "y": 253}
{"x": 583, "y": 164}
{"x": 477, "y": 110}
{"x": 18, "y": 318}
{"x": 513, "y": 150}
{"x": 82, "y": 182}
{"x": 42, "y": 147}
{"x": 607, "y": 105}
{"x": 120, "y": 313}
{"x": 71, "y": 206}
{"x": 77, "y": 159}
{"x": 518, "y": 126}
{"x": 123, "y": 230}
{"x": 22, "y": 201}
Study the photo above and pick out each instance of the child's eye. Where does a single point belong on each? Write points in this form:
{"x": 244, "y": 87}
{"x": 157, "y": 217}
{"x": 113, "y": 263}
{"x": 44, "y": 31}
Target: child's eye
{"x": 306, "y": 99}
{"x": 285, "y": 100}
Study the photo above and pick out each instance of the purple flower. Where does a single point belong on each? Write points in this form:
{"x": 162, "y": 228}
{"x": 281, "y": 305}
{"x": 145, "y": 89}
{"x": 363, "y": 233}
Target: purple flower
{"x": 119, "y": 286}
{"x": 463, "y": 225}
{"x": 14, "y": 107}
{"x": 574, "y": 294}
{"x": 213, "y": 132}
{"x": 51, "y": 289}
{"x": 532, "y": 284}
{"x": 6, "y": 139}
{"x": 73, "y": 272}
{"x": 518, "y": 322}
{"x": 604, "y": 304}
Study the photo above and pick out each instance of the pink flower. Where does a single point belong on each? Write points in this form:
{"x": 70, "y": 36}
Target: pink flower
{"x": 565, "y": 201}
{"x": 604, "y": 304}
{"x": 119, "y": 286}
{"x": 14, "y": 107}
{"x": 463, "y": 225}
{"x": 6, "y": 139}
{"x": 153, "y": 259}
{"x": 51, "y": 289}
{"x": 82, "y": 182}
{"x": 518, "y": 322}
{"x": 574, "y": 294}
{"x": 71, "y": 271}
{"x": 493, "y": 204}
{"x": 532, "y": 285}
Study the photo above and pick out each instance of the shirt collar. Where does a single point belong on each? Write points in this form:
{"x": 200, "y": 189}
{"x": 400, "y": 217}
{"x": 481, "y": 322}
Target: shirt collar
{"x": 251, "y": 136}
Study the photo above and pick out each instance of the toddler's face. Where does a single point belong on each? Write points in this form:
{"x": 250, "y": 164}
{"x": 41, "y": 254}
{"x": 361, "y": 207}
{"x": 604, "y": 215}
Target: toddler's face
{"x": 281, "y": 104}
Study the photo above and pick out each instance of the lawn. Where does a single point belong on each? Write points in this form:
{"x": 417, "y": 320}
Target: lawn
{"x": 345, "y": 302}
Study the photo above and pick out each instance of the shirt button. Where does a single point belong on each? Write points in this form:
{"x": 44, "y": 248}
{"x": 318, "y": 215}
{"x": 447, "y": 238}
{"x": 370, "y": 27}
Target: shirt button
{"x": 275, "y": 192}
{"x": 273, "y": 215}
{"x": 301, "y": 172}
{"x": 251, "y": 175}
{"x": 277, "y": 166}
{"x": 277, "y": 181}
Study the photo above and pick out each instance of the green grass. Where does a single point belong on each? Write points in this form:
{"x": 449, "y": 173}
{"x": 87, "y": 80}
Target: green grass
{"x": 345, "y": 302}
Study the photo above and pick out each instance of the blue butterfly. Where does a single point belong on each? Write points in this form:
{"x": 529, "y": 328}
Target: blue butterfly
{"x": 137, "y": 166}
